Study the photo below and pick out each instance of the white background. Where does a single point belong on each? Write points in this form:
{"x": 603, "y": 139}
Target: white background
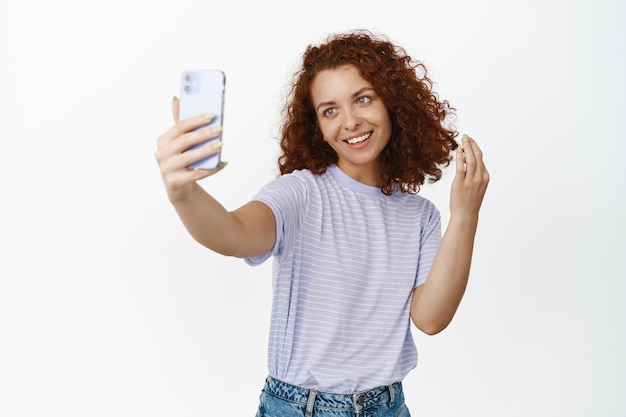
{"x": 109, "y": 308}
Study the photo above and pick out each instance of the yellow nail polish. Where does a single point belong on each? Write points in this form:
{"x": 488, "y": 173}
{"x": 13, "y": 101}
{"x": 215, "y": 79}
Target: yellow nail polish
{"x": 465, "y": 137}
{"x": 209, "y": 116}
{"x": 222, "y": 164}
{"x": 217, "y": 145}
{"x": 216, "y": 129}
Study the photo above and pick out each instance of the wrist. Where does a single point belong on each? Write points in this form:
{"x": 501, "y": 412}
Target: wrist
{"x": 464, "y": 221}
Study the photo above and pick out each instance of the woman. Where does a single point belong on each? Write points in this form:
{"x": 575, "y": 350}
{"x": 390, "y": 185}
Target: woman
{"x": 358, "y": 254}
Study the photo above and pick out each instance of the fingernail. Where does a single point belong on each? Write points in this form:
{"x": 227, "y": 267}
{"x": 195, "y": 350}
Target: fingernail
{"x": 174, "y": 98}
{"x": 459, "y": 149}
{"x": 222, "y": 164}
{"x": 209, "y": 116}
{"x": 465, "y": 137}
{"x": 217, "y": 145}
{"x": 215, "y": 129}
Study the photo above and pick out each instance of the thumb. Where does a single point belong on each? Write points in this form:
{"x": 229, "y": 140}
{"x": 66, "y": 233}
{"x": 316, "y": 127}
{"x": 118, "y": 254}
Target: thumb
{"x": 175, "y": 108}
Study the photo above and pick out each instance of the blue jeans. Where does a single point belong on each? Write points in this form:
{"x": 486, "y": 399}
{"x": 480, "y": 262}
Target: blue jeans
{"x": 279, "y": 399}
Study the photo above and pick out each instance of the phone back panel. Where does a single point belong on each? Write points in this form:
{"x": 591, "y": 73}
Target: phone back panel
{"x": 202, "y": 92}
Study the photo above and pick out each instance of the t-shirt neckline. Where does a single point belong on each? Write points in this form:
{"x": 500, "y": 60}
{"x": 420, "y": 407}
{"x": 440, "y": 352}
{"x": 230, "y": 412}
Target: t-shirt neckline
{"x": 353, "y": 184}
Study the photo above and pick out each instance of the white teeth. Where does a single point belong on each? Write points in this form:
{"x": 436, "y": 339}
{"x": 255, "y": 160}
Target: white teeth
{"x": 360, "y": 139}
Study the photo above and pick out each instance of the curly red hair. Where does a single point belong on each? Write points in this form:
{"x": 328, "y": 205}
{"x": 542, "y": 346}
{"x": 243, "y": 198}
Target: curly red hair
{"x": 421, "y": 141}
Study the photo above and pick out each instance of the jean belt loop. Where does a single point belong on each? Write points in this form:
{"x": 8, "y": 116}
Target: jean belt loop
{"x": 310, "y": 403}
{"x": 392, "y": 395}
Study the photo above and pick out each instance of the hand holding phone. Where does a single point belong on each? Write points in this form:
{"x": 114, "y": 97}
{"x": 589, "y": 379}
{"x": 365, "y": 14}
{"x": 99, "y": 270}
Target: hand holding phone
{"x": 202, "y": 92}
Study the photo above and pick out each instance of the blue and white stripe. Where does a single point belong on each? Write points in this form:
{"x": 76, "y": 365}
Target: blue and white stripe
{"x": 346, "y": 260}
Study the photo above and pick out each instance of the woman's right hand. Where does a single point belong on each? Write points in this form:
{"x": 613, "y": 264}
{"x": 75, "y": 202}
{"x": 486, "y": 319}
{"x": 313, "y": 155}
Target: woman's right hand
{"x": 173, "y": 157}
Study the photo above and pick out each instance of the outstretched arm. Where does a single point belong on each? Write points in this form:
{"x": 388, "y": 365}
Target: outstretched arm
{"x": 436, "y": 301}
{"x": 246, "y": 232}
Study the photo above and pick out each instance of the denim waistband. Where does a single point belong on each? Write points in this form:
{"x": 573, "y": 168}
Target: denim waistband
{"x": 318, "y": 399}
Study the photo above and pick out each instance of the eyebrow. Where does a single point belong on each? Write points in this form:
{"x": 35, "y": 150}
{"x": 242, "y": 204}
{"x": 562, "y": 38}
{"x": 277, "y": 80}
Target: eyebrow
{"x": 354, "y": 95}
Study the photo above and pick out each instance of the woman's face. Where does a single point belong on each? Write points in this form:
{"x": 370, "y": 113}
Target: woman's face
{"x": 354, "y": 121}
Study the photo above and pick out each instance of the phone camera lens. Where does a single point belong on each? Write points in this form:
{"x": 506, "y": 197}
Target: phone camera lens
{"x": 187, "y": 77}
{"x": 187, "y": 89}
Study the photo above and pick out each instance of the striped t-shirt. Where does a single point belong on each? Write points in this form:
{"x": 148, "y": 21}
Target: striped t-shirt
{"x": 346, "y": 261}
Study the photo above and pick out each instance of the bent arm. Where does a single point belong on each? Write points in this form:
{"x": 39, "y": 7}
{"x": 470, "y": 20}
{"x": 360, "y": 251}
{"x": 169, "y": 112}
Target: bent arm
{"x": 435, "y": 302}
{"x": 246, "y": 232}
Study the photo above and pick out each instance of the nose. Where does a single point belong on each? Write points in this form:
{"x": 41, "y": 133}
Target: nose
{"x": 351, "y": 120}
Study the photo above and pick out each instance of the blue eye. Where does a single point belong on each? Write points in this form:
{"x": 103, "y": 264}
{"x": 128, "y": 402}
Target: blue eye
{"x": 363, "y": 100}
{"x": 329, "y": 111}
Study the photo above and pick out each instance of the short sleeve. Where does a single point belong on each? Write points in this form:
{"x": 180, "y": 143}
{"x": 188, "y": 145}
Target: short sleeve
{"x": 286, "y": 197}
{"x": 430, "y": 239}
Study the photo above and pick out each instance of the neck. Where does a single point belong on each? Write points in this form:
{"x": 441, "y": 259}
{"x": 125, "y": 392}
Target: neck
{"x": 368, "y": 175}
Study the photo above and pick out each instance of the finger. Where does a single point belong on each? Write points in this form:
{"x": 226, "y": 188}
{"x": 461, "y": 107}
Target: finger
{"x": 199, "y": 173}
{"x": 197, "y": 139}
{"x": 171, "y": 162}
{"x": 477, "y": 171}
{"x": 185, "y": 126}
{"x": 188, "y": 157}
{"x": 175, "y": 108}
{"x": 470, "y": 157}
{"x": 460, "y": 161}
{"x": 478, "y": 155}
{"x": 179, "y": 154}
{"x": 474, "y": 145}
{"x": 215, "y": 170}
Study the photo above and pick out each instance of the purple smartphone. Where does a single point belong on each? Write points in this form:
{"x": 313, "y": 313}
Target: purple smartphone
{"x": 202, "y": 92}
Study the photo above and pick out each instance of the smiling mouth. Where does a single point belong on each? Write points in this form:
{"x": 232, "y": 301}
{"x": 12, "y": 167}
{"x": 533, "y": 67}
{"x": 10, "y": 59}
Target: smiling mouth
{"x": 359, "y": 139}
